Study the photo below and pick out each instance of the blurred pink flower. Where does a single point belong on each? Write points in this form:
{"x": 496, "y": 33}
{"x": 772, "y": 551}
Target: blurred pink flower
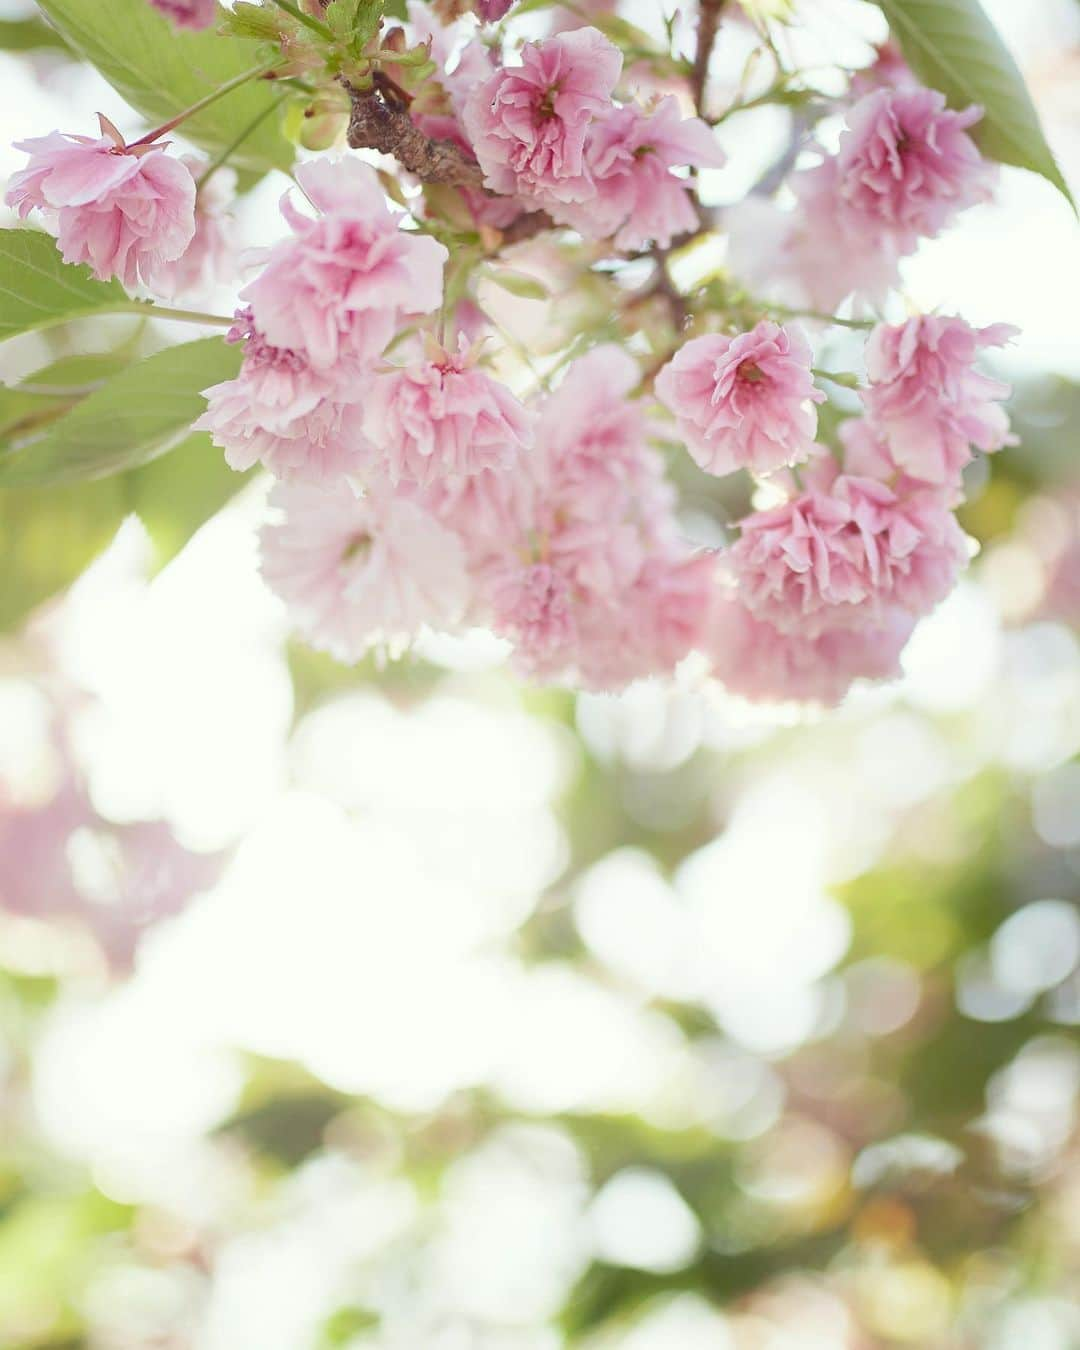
{"x": 124, "y": 212}
{"x": 209, "y": 259}
{"x": 813, "y": 256}
{"x": 188, "y": 13}
{"x": 753, "y": 659}
{"x": 298, "y": 421}
{"x": 630, "y": 154}
{"x": 361, "y": 572}
{"x": 744, "y": 401}
{"x": 845, "y": 551}
{"x": 927, "y": 401}
{"x": 443, "y": 417}
{"x": 528, "y": 123}
{"x": 906, "y": 164}
{"x": 342, "y": 285}
{"x": 532, "y": 606}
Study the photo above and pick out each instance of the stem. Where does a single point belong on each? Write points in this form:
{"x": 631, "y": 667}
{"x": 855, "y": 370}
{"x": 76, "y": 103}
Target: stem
{"x": 220, "y": 92}
{"x": 306, "y": 19}
{"x": 152, "y": 311}
{"x": 844, "y": 378}
{"x": 234, "y": 145}
{"x": 784, "y": 312}
{"x": 708, "y": 22}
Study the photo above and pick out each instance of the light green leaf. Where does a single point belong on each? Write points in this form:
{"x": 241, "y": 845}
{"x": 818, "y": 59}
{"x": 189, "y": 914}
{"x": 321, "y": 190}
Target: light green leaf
{"x": 135, "y": 416}
{"x": 953, "y": 47}
{"x": 38, "y": 289}
{"x": 518, "y": 283}
{"x": 48, "y": 393}
{"x": 28, "y": 35}
{"x": 161, "y": 70}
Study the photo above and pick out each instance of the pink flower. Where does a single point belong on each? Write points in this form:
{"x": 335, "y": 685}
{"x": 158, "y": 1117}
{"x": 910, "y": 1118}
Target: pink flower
{"x": 630, "y": 155}
{"x": 907, "y": 165}
{"x": 123, "y": 212}
{"x": 927, "y": 401}
{"x": 757, "y": 661}
{"x": 342, "y": 285}
{"x": 814, "y": 256}
{"x": 743, "y": 402}
{"x": 532, "y": 605}
{"x": 297, "y": 421}
{"x": 889, "y": 70}
{"x": 442, "y": 418}
{"x": 528, "y": 123}
{"x": 842, "y": 553}
{"x": 188, "y": 13}
{"x": 209, "y": 258}
{"x": 361, "y": 572}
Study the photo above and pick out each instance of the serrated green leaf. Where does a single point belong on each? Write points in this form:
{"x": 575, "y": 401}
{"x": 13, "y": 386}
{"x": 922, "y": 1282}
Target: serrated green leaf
{"x": 952, "y": 46}
{"x": 518, "y": 283}
{"x": 38, "y": 289}
{"x": 161, "y": 71}
{"x": 135, "y": 416}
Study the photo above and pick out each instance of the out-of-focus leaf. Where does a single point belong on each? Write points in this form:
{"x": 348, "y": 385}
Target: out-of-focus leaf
{"x": 38, "y": 289}
{"x": 953, "y": 47}
{"x": 48, "y": 536}
{"x": 177, "y": 493}
{"x": 161, "y": 70}
{"x": 134, "y": 417}
{"x": 518, "y": 283}
{"x": 28, "y": 35}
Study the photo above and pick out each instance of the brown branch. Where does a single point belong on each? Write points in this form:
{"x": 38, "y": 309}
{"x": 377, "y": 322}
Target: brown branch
{"x": 380, "y": 121}
{"x": 708, "y": 23}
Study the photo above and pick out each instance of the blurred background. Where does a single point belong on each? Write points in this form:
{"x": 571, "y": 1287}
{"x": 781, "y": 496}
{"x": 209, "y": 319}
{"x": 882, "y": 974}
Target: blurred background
{"x": 416, "y": 1009}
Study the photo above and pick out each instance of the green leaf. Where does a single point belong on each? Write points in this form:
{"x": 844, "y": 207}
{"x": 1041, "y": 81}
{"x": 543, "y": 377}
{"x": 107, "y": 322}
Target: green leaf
{"x": 38, "y": 289}
{"x": 48, "y": 536}
{"x": 135, "y": 416}
{"x": 161, "y": 71}
{"x": 55, "y": 389}
{"x": 953, "y": 47}
{"x": 28, "y": 35}
{"x": 518, "y": 283}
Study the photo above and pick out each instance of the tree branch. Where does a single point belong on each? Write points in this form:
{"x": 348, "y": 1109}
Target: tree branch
{"x": 381, "y": 121}
{"x": 708, "y": 23}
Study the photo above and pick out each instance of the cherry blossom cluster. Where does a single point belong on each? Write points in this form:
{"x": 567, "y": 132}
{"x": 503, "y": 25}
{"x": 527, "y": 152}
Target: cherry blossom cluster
{"x": 415, "y": 490}
{"x": 904, "y": 168}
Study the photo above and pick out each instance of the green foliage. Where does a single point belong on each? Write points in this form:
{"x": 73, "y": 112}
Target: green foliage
{"x": 161, "y": 71}
{"x": 952, "y": 46}
{"x": 133, "y": 417}
{"x": 28, "y": 35}
{"x": 38, "y": 289}
{"x": 517, "y": 283}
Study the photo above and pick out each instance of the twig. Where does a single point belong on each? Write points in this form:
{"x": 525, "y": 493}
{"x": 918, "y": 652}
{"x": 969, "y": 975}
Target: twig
{"x": 380, "y": 121}
{"x": 708, "y": 23}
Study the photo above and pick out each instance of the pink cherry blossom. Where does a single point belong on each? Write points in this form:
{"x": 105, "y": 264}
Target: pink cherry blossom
{"x": 192, "y": 14}
{"x": 209, "y": 259}
{"x": 745, "y": 401}
{"x": 630, "y": 154}
{"x": 533, "y": 606}
{"x": 753, "y": 659}
{"x": 907, "y": 165}
{"x": 813, "y": 256}
{"x": 298, "y": 421}
{"x": 528, "y": 123}
{"x": 927, "y": 401}
{"x": 123, "y": 212}
{"x": 341, "y": 286}
{"x": 443, "y": 417}
{"x": 842, "y": 553}
{"x": 361, "y": 572}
